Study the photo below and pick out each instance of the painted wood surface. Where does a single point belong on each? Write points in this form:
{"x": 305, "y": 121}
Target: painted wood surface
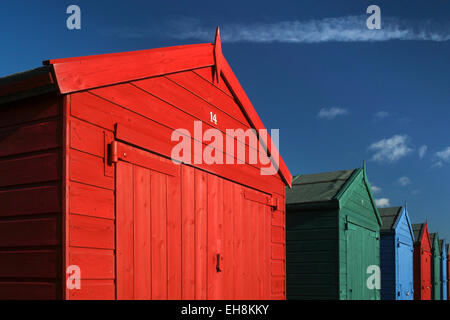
{"x": 448, "y": 271}
{"x": 30, "y": 198}
{"x": 396, "y": 258}
{"x": 330, "y": 247}
{"x": 56, "y": 155}
{"x": 444, "y": 278}
{"x": 74, "y": 75}
{"x": 435, "y": 267}
{"x": 193, "y": 243}
{"x": 422, "y": 266}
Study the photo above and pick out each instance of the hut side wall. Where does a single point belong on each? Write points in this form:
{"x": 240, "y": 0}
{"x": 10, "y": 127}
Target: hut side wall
{"x": 388, "y": 265}
{"x": 444, "y": 280}
{"x": 436, "y": 270}
{"x": 417, "y": 267}
{"x": 448, "y": 275}
{"x": 30, "y": 198}
{"x": 312, "y": 259}
{"x": 422, "y": 268}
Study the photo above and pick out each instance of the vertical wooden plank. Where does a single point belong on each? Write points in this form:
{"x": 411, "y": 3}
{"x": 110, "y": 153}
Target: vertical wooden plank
{"x": 268, "y": 251}
{"x": 215, "y": 237}
{"x": 201, "y": 241}
{"x": 228, "y": 254}
{"x": 158, "y": 207}
{"x": 124, "y": 231}
{"x": 188, "y": 233}
{"x": 253, "y": 252}
{"x": 246, "y": 247}
{"x": 238, "y": 242}
{"x": 66, "y": 100}
{"x": 142, "y": 262}
{"x": 259, "y": 224}
{"x": 174, "y": 232}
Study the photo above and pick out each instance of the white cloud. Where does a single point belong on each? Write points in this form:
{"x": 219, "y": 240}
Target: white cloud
{"x": 376, "y": 189}
{"x": 442, "y": 157}
{"x": 422, "y": 151}
{"x": 331, "y": 113}
{"x": 415, "y": 192}
{"x": 381, "y": 115}
{"x": 391, "y": 149}
{"x": 339, "y": 29}
{"x": 404, "y": 181}
{"x": 382, "y": 202}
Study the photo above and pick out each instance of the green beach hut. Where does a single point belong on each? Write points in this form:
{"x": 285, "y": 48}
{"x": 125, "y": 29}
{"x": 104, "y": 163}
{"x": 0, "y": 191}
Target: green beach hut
{"x": 435, "y": 266}
{"x": 333, "y": 237}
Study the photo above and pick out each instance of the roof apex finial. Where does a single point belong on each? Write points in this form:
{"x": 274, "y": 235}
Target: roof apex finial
{"x": 217, "y": 37}
{"x": 217, "y": 54}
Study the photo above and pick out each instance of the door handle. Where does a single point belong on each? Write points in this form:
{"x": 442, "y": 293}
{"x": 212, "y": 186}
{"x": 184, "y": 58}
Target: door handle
{"x": 218, "y": 263}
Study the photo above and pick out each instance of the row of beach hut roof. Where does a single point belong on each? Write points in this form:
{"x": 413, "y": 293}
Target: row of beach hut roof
{"x": 336, "y": 236}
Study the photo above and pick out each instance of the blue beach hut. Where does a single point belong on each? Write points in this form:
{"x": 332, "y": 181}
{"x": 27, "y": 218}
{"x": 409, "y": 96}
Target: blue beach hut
{"x": 396, "y": 254}
{"x": 444, "y": 277}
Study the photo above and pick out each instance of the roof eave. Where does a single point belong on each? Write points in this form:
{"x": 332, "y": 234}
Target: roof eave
{"x": 253, "y": 117}
{"x": 27, "y": 84}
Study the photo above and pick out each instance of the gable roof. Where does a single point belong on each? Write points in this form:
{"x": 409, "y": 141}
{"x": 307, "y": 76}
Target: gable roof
{"x": 434, "y": 237}
{"x": 76, "y": 74}
{"x": 326, "y": 188}
{"x": 418, "y": 229}
{"x": 317, "y": 187}
{"x": 27, "y": 84}
{"x": 441, "y": 245}
{"x": 389, "y": 217}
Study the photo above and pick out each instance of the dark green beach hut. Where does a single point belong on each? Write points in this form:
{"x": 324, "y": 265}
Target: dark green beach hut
{"x": 333, "y": 232}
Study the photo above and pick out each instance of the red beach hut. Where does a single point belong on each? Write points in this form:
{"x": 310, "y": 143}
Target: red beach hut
{"x": 422, "y": 262}
{"x": 93, "y": 205}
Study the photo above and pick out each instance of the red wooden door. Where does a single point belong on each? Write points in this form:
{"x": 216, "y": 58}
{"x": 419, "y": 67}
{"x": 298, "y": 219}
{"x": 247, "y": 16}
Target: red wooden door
{"x": 182, "y": 233}
{"x": 426, "y": 274}
{"x": 239, "y": 241}
{"x": 147, "y": 214}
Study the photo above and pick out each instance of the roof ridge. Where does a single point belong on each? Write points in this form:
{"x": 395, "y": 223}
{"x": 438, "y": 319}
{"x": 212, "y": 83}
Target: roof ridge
{"x": 323, "y": 181}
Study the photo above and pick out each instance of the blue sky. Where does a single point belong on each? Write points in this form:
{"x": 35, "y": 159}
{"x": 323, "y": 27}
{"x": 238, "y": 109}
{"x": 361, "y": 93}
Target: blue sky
{"x": 339, "y": 93}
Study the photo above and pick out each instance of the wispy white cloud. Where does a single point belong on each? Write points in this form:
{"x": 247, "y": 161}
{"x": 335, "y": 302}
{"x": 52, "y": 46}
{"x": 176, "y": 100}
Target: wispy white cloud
{"x": 338, "y": 29}
{"x": 442, "y": 157}
{"x": 404, "y": 181}
{"x": 381, "y": 115}
{"x": 415, "y": 192}
{"x": 376, "y": 189}
{"x": 422, "y": 151}
{"x": 331, "y": 113}
{"x": 383, "y": 202}
{"x": 391, "y": 149}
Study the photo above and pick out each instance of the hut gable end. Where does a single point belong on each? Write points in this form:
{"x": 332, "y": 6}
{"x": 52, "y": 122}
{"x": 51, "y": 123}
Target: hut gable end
{"x": 356, "y": 201}
{"x": 426, "y": 240}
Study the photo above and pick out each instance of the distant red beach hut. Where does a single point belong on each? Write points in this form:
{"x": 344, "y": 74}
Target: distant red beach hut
{"x": 422, "y": 262}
